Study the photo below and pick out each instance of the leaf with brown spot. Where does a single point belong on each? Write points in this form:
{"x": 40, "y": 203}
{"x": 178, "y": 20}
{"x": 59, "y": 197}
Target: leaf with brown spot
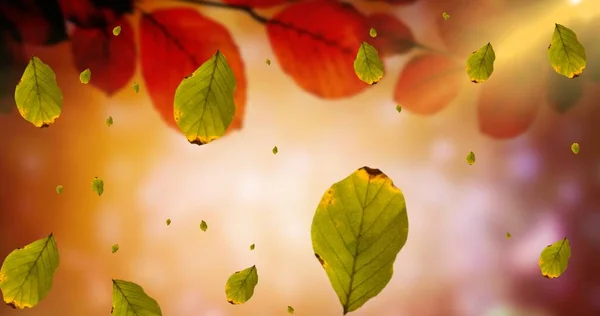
{"x": 240, "y": 286}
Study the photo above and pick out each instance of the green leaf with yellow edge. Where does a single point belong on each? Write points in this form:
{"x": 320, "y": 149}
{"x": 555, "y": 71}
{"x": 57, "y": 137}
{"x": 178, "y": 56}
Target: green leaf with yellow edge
{"x": 59, "y": 189}
{"x": 204, "y": 105}
{"x": 85, "y": 76}
{"x": 373, "y": 32}
{"x": 398, "y": 108}
{"x": 38, "y": 96}
{"x": 203, "y": 226}
{"x": 446, "y": 16}
{"x": 252, "y": 247}
{"x": 117, "y": 30}
{"x": 275, "y": 150}
{"x": 290, "y": 310}
{"x": 575, "y": 148}
{"x": 555, "y": 258}
{"x": 168, "y": 221}
{"x": 480, "y": 64}
{"x": 240, "y": 286}
{"x": 367, "y": 65}
{"x": 136, "y": 87}
{"x": 566, "y": 54}
{"x": 115, "y": 248}
{"x": 508, "y": 235}
{"x": 109, "y": 121}
{"x": 358, "y": 229}
{"x": 27, "y": 273}
{"x": 129, "y": 299}
{"x": 470, "y": 158}
{"x": 268, "y": 61}
{"x": 98, "y": 186}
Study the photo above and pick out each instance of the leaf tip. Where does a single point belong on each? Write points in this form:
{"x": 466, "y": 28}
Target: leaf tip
{"x": 371, "y": 171}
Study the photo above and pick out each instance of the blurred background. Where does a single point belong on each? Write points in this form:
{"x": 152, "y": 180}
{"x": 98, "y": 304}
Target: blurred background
{"x": 457, "y": 260}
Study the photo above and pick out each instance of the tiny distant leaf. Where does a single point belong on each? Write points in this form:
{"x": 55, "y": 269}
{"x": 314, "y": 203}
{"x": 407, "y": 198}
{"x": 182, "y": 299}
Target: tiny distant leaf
{"x": 508, "y": 235}
{"x": 367, "y": 65}
{"x": 268, "y": 61}
{"x": 240, "y": 286}
{"x": 203, "y": 226}
{"x": 290, "y": 310}
{"x": 471, "y": 158}
{"x": 59, "y": 189}
{"x": 38, "y": 96}
{"x": 115, "y": 248}
{"x": 480, "y": 65}
{"x": 575, "y": 148}
{"x": 209, "y": 90}
{"x": 27, "y": 273}
{"x": 129, "y": 298}
{"x": 566, "y": 54}
{"x": 554, "y": 259}
{"x": 252, "y": 247}
{"x": 446, "y": 16}
{"x": 373, "y": 33}
{"x": 275, "y": 150}
{"x": 136, "y": 87}
{"x": 168, "y": 221}
{"x": 98, "y": 186}
{"x": 399, "y": 108}
{"x": 358, "y": 229}
{"x": 117, "y": 30}
{"x": 85, "y": 76}
{"x": 109, "y": 121}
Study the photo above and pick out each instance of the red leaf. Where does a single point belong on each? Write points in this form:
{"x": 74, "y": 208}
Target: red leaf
{"x": 261, "y": 4}
{"x": 395, "y": 1}
{"x": 36, "y": 22}
{"x": 428, "y": 83}
{"x": 85, "y": 14}
{"x": 174, "y": 43}
{"x": 110, "y": 58}
{"x": 393, "y": 36}
{"x": 316, "y": 43}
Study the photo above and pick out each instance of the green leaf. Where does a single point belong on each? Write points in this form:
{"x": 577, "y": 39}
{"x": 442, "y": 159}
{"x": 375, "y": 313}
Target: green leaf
{"x": 566, "y": 54}
{"x": 117, "y": 30}
{"x": 59, "y": 189}
{"x": 480, "y": 65}
{"x": 168, "y": 221}
{"x": 358, "y": 229}
{"x": 85, "y": 76}
{"x": 575, "y": 148}
{"x": 268, "y": 61}
{"x": 109, "y": 121}
{"x": 554, "y": 259}
{"x": 252, "y": 247}
{"x": 275, "y": 150}
{"x": 373, "y": 33}
{"x": 129, "y": 299}
{"x": 508, "y": 235}
{"x": 471, "y": 158}
{"x": 290, "y": 310}
{"x": 38, "y": 96}
{"x": 446, "y": 16}
{"x": 398, "y": 108}
{"x": 204, "y": 105}
{"x": 136, "y": 87}
{"x": 115, "y": 248}
{"x": 27, "y": 273}
{"x": 240, "y": 286}
{"x": 367, "y": 65}
{"x": 98, "y": 186}
{"x": 203, "y": 226}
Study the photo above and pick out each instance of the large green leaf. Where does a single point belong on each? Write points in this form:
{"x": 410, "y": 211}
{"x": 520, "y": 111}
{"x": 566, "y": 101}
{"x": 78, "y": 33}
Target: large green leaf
{"x": 555, "y": 258}
{"x": 204, "y": 105}
{"x": 240, "y": 286}
{"x": 480, "y": 64}
{"x": 566, "y": 54}
{"x": 367, "y": 65}
{"x": 27, "y": 273}
{"x": 358, "y": 229}
{"x": 129, "y": 299}
{"x": 38, "y": 96}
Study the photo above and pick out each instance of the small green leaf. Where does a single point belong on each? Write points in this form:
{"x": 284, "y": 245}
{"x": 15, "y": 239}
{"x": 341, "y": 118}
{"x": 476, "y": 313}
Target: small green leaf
{"x": 566, "y": 54}
{"x": 136, "y": 87}
{"x": 115, "y": 248}
{"x": 204, "y": 105}
{"x": 373, "y": 33}
{"x": 252, "y": 247}
{"x": 27, "y": 273}
{"x": 168, "y": 221}
{"x": 446, "y": 16}
{"x": 203, "y": 226}
{"x": 575, "y": 148}
{"x": 291, "y": 310}
{"x": 59, "y": 189}
{"x": 85, "y": 76}
{"x": 358, "y": 229}
{"x": 480, "y": 65}
{"x": 38, "y": 96}
{"x": 98, "y": 186}
{"x": 554, "y": 259}
{"x": 399, "y": 108}
{"x": 109, "y": 121}
{"x": 275, "y": 150}
{"x": 240, "y": 286}
{"x": 117, "y": 30}
{"x": 129, "y": 299}
{"x": 508, "y": 235}
{"x": 367, "y": 65}
{"x": 471, "y": 158}
{"x": 268, "y": 61}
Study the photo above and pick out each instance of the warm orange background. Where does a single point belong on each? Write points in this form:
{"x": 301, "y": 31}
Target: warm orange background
{"x": 457, "y": 260}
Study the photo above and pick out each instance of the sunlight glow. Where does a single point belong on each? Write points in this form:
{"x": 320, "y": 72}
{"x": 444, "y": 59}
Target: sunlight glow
{"x": 574, "y": 2}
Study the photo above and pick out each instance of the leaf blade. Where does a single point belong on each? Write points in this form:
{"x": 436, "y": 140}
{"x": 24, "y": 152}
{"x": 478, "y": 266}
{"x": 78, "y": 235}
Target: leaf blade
{"x": 367, "y": 65}
{"x": 565, "y": 53}
{"x": 240, "y": 285}
{"x": 129, "y": 297}
{"x": 554, "y": 259}
{"x": 480, "y": 65}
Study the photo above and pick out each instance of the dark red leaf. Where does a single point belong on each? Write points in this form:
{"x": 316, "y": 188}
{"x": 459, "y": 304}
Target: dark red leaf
{"x": 174, "y": 43}
{"x": 261, "y": 4}
{"x": 564, "y": 93}
{"x": 36, "y": 22}
{"x": 393, "y": 36}
{"x": 110, "y": 58}
{"x": 316, "y": 43}
{"x": 428, "y": 83}
{"x": 395, "y": 1}
{"x": 85, "y": 14}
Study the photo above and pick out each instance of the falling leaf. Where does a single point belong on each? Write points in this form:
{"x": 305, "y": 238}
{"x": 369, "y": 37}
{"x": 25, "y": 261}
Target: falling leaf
{"x": 85, "y": 76}
{"x": 27, "y": 273}
{"x": 203, "y": 226}
{"x": 252, "y": 247}
{"x": 38, "y": 96}
{"x": 136, "y": 87}
{"x": 268, "y": 61}
{"x": 129, "y": 298}
{"x": 566, "y": 54}
{"x": 240, "y": 286}
{"x": 471, "y": 158}
{"x": 109, "y": 121}
{"x": 290, "y": 310}
{"x": 480, "y": 64}
{"x": 59, "y": 189}
{"x": 508, "y": 235}
{"x": 394, "y": 36}
{"x": 358, "y": 229}
{"x": 367, "y": 65}
{"x": 117, "y": 30}
{"x": 98, "y": 186}
{"x": 35, "y": 22}
{"x": 168, "y": 221}
{"x": 373, "y": 33}
{"x": 209, "y": 89}
{"x": 575, "y": 148}
{"x": 115, "y": 248}
{"x": 554, "y": 259}
{"x": 260, "y": 4}
{"x": 275, "y": 150}
{"x": 398, "y": 108}
{"x": 446, "y": 16}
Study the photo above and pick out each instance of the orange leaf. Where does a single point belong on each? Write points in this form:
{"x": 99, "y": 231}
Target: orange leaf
{"x": 261, "y": 4}
{"x": 110, "y": 58}
{"x": 393, "y": 36}
{"x": 36, "y": 22}
{"x": 428, "y": 83}
{"x": 316, "y": 43}
{"x": 174, "y": 43}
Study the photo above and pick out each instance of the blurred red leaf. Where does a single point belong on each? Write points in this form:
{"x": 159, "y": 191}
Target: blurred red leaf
{"x": 563, "y": 93}
{"x": 395, "y": 1}
{"x": 174, "y": 43}
{"x": 12, "y": 64}
{"x": 393, "y": 36}
{"x": 112, "y": 59}
{"x": 428, "y": 83}
{"x": 85, "y": 14}
{"x": 36, "y": 22}
{"x": 316, "y": 43}
{"x": 261, "y": 4}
